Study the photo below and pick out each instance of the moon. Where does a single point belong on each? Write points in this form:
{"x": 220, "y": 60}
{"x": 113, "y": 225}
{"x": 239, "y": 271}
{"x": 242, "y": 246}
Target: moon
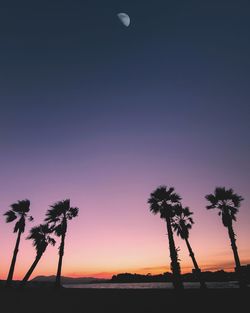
{"x": 124, "y": 18}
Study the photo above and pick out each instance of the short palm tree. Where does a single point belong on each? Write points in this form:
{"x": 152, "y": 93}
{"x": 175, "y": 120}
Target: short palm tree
{"x": 163, "y": 201}
{"x": 57, "y": 217}
{"x": 19, "y": 210}
{"x": 41, "y": 239}
{"x": 228, "y": 203}
{"x": 182, "y": 223}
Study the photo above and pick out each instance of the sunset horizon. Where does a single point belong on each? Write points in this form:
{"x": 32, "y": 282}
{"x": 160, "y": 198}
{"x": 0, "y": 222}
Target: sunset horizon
{"x": 125, "y": 156}
{"x": 88, "y": 262}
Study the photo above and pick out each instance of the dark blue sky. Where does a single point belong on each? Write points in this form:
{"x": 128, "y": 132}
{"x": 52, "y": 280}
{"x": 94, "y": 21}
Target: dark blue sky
{"x": 71, "y": 74}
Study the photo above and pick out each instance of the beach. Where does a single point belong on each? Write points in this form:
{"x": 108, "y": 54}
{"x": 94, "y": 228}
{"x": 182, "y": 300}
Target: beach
{"x": 46, "y": 300}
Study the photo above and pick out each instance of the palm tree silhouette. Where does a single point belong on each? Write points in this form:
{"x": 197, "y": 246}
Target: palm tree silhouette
{"x": 19, "y": 210}
{"x": 163, "y": 201}
{"x": 228, "y": 203}
{"x": 41, "y": 239}
{"x": 58, "y": 217}
{"x": 182, "y": 223}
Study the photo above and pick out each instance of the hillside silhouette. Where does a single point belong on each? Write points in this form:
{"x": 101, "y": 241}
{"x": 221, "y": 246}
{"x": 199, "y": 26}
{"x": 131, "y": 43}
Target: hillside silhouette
{"x": 218, "y": 276}
{"x": 69, "y": 280}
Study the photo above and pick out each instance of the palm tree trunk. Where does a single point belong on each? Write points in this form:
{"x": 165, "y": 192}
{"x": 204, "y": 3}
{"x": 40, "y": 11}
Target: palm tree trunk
{"x": 234, "y": 247}
{"x": 30, "y": 271}
{"x": 59, "y": 267}
{"x": 61, "y": 253}
{"x": 13, "y": 262}
{"x": 236, "y": 256}
{"x": 175, "y": 265}
{"x": 196, "y": 267}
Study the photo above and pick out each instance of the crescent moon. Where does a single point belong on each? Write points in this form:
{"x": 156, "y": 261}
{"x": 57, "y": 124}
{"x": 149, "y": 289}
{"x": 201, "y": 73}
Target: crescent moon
{"x": 124, "y": 18}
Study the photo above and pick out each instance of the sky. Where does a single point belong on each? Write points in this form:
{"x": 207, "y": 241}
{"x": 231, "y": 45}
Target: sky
{"x": 103, "y": 114}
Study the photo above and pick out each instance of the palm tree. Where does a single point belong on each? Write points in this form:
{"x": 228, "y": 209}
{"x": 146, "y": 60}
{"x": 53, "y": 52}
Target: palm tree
{"x": 18, "y": 210}
{"x": 58, "y": 216}
{"x": 41, "y": 239}
{"x": 182, "y": 222}
{"x": 163, "y": 201}
{"x": 228, "y": 203}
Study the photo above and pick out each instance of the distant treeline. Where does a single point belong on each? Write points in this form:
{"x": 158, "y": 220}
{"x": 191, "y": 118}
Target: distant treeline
{"x": 218, "y": 276}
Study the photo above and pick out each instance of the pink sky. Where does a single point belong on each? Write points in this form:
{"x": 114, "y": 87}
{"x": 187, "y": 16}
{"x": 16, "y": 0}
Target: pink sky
{"x": 115, "y": 232}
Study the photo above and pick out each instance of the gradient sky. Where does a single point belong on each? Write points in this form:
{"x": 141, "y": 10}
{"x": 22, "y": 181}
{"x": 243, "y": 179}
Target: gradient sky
{"x": 103, "y": 114}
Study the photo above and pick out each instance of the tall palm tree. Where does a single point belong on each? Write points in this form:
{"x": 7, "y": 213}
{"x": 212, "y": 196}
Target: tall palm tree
{"x": 182, "y": 223}
{"x": 58, "y": 216}
{"x": 163, "y": 201}
{"x": 41, "y": 239}
{"x": 19, "y": 210}
{"x": 228, "y": 203}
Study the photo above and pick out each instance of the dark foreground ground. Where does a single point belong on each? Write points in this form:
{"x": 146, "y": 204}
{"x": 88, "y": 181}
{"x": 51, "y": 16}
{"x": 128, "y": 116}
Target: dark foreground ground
{"x": 47, "y": 300}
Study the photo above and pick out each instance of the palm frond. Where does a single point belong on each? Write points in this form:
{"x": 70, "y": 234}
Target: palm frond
{"x": 175, "y": 198}
{"x": 51, "y": 241}
{"x": 59, "y": 230}
{"x": 10, "y": 216}
{"x": 187, "y": 212}
{"x": 154, "y": 206}
{"x": 61, "y": 206}
{"x": 211, "y": 198}
{"x": 190, "y": 219}
{"x": 40, "y": 236}
{"x": 162, "y": 200}
{"x": 236, "y": 199}
{"x": 182, "y": 222}
{"x": 178, "y": 209}
{"x": 72, "y": 212}
{"x": 57, "y": 210}
{"x": 227, "y": 201}
{"x": 20, "y": 225}
{"x": 58, "y": 214}
{"x": 52, "y": 215}
{"x": 21, "y": 206}
{"x": 159, "y": 194}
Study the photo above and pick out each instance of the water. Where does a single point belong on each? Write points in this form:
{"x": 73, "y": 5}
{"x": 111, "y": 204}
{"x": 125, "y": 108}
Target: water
{"x": 231, "y": 284}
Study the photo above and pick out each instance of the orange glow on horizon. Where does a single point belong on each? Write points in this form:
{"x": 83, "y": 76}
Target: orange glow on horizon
{"x": 227, "y": 266}
{"x": 157, "y": 270}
